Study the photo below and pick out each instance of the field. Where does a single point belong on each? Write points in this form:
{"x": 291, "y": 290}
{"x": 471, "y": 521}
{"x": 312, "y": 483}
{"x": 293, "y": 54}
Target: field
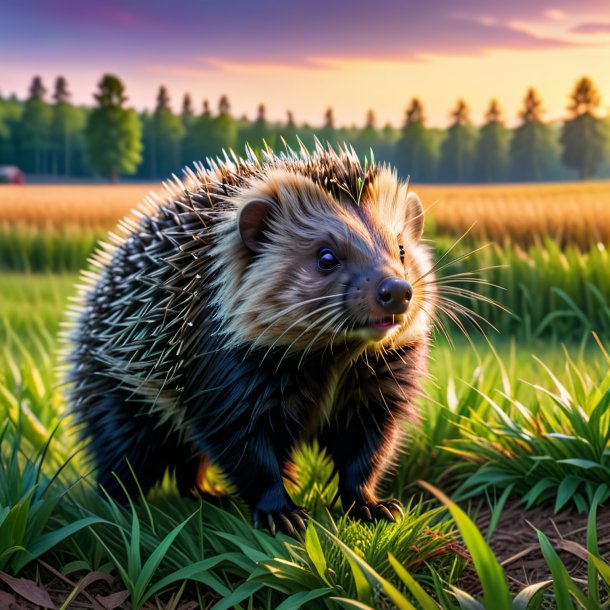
{"x": 515, "y": 429}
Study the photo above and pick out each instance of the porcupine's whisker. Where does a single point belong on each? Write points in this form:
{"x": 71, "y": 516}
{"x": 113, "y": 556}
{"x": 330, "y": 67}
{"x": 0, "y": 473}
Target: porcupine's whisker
{"x": 468, "y": 313}
{"x": 287, "y": 350}
{"x": 325, "y": 328}
{"x": 298, "y": 321}
{"x": 279, "y": 315}
{"x": 311, "y": 313}
{"x": 436, "y": 321}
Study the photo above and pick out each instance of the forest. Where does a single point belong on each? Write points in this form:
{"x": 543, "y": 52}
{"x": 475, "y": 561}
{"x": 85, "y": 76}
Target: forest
{"x": 48, "y": 136}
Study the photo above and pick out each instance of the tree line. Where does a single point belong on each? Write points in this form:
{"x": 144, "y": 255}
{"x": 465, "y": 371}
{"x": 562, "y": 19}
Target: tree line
{"x": 55, "y": 137}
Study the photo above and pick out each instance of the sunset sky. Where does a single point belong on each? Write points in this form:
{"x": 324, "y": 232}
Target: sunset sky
{"x": 306, "y": 56}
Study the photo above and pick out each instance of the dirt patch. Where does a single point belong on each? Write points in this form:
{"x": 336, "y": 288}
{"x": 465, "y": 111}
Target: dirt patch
{"x": 515, "y": 543}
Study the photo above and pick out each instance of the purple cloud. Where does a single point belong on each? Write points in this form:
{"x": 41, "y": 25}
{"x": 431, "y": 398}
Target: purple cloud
{"x": 591, "y": 28}
{"x": 140, "y": 31}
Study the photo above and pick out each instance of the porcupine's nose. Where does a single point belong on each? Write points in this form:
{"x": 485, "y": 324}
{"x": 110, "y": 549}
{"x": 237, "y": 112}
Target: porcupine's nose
{"x": 394, "y": 294}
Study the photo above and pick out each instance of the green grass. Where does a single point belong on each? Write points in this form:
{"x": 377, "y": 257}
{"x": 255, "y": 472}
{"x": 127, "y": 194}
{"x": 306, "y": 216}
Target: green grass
{"x": 526, "y": 418}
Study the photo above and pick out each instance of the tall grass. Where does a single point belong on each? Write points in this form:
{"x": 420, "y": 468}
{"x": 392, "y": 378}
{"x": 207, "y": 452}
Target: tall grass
{"x": 549, "y": 292}
{"x": 576, "y": 213}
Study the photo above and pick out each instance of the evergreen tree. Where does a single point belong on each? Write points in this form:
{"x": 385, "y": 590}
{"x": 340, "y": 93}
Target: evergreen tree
{"x": 258, "y": 131}
{"x": 288, "y": 132}
{"x": 458, "y": 148}
{"x": 113, "y": 132}
{"x": 492, "y": 147}
{"x": 533, "y": 147}
{"x": 584, "y": 135}
{"x": 34, "y": 130}
{"x": 328, "y": 133}
{"x": 166, "y": 135}
{"x": 66, "y": 129}
{"x": 367, "y": 138}
{"x": 223, "y": 131}
{"x": 194, "y": 144}
{"x": 10, "y": 116}
{"x": 417, "y": 155}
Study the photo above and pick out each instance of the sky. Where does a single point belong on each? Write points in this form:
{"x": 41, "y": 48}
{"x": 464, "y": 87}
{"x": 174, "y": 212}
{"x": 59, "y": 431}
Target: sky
{"x": 306, "y": 56}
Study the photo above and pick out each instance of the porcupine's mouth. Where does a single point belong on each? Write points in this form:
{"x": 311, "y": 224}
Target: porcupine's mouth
{"x": 379, "y": 328}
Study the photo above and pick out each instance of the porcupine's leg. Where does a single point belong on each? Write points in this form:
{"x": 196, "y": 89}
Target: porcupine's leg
{"x": 122, "y": 439}
{"x": 362, "y": 440}
{"x": 252, "y": 457}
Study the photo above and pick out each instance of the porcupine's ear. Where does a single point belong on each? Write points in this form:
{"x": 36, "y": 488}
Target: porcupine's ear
{"x": 415, "y": 217}
{"x": 252, "y": 221}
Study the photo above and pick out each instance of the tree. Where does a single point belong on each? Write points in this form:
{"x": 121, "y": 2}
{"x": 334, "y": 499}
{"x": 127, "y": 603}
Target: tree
{"x": 258, "y": 131}
{"x": 416, "y": 153}
{"x": 164, "y": 139}
{"x": 492, "y": 147}
{"x": 584, "y": 136}
{"x": 288, "y": 131}
{"x": 10, "y": 116}
{"x": 458, "y": 148}
{"x": 328, "y": 132}
{"x": 367, "y": 138}
{"x": 223, "y": 130}
{"x": 66, "y": 129}
{"x": 533, "y": 148}
{"x": 194, "y": 143}
{"x": 113, "y": 132}
{"x": 34, "y": 129}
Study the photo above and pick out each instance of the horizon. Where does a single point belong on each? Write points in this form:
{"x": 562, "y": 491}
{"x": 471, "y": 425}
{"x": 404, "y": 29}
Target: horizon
{"x": 289, "y": 58}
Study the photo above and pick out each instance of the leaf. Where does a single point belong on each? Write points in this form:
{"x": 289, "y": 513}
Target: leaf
{"x": 586, "y": 464}
{"x": 563, "y": 585}
{"x": 352, "y": 603}
{"x": 315, "y": 552}
{"x": 489, "y": 570}
{"x": 426, "y": 602}
{"x": 566, "y": 490}
{"x": 299, "y": 600}
{"x": 114, "y": 600}
{"x": 29, "y": 590}
{"x": 525, "y": 596}
{"x": 602, "y": 567}
{"x": 238, "y": 595}
{"x": 466, "y": 601}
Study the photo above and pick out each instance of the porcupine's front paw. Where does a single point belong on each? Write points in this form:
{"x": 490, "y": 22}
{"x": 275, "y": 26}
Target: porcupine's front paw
{"x": 388, "y": 510}
{"x": 279, "y": 515}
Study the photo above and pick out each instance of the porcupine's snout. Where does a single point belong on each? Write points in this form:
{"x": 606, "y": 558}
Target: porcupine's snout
{"x": 394, "y": 294}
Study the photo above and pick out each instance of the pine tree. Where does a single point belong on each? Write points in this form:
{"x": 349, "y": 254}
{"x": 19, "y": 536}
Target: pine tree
{"x": 328, "y": 133}
{"x": 584, "y": 135}
{"x": 533, "y": 147}
{"x": 288, "y": 132}
{"x": 166, "y": 136}
{"x": 259, "y": 131}
{"x": 492, "y": 147}
{"x": 66, "y": 129}
{"x": 113, "y": 132}
{"x": 223, "y": 130}
{"x": 458, "y": 148}
{"x": 11, "y": 111}
{"x": 415, "y": 149}
{"x": 35, "y": 129}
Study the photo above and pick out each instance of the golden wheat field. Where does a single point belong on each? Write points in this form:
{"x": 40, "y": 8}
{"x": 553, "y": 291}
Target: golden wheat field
{"x": 577, "y": 213}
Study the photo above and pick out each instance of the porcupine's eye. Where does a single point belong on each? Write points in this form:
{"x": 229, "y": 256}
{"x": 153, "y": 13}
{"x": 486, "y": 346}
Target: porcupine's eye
{"x": 327, "y": 261}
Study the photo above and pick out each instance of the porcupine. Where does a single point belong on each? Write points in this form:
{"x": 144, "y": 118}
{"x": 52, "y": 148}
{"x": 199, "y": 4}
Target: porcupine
{"x": 258, "y": 304}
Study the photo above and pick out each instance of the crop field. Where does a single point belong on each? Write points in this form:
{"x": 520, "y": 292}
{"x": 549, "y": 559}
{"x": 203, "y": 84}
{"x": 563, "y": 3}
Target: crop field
{"x": 505, "y": 480}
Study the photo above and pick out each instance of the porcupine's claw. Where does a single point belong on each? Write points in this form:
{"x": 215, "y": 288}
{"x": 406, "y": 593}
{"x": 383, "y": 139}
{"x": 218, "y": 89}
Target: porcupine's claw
{"x": 388, "y": 510}
{"x": 291, "y": 523}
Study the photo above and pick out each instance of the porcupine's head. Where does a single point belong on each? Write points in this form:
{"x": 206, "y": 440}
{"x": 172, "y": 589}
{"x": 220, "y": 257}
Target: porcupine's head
{"x": 323, "y": 252}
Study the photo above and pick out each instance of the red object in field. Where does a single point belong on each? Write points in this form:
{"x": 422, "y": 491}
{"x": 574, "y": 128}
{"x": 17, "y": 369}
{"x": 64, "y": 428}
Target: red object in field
{"x": 11, "y": 174}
